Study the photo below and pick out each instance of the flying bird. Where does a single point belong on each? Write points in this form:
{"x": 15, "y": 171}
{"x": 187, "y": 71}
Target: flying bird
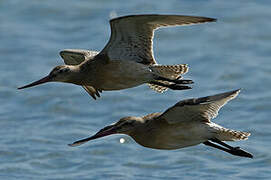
{"x": 187, "y": 123}
{"x": 127, "y": 59}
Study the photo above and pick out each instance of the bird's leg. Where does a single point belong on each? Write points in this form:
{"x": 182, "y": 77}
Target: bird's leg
{"x": 232, "y": 150}
{"x": 208, "y": 143}
{"x": 178, "y": 87}
{"x": 171, "y": 86}
{"x": 223, "y": 144}
{"x": 176, "y": 81}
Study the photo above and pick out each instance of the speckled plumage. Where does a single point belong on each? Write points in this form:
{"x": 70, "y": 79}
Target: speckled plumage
{"x": 127, "y": 59}
{"x": 187, "y": 123}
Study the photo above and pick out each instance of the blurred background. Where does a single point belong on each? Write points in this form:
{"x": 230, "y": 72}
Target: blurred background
{"x": 38, "y": 123}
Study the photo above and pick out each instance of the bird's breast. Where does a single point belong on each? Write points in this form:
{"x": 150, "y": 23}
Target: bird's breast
{"x": 173, "y": 136}
{"x": 118, "y": 75}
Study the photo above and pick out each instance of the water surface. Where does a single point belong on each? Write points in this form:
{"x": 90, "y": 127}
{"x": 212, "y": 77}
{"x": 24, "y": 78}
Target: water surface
{"x": 38, "y": 123}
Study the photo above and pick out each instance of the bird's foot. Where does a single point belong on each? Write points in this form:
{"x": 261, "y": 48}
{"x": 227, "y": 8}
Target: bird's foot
{"x": 239, "y": 152}
{"x": 178, "y": 87}
{"x": 176, "y": 81}
{"x": 183, "y": 81}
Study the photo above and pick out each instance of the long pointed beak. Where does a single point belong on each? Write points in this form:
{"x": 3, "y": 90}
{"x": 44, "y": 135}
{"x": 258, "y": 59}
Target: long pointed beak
{"x": 41, "y": 81}
{"x": 108, "y": 130}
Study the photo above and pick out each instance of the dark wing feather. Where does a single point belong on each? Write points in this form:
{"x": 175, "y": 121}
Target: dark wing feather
{"x": 131, "y": 36}
{"x": 199, "y": 109}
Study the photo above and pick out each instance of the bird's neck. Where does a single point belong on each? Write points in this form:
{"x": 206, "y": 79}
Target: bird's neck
{"x": 76, "y": 76}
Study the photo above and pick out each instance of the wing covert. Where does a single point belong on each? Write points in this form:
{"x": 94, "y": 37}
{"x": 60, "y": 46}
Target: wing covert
{"x": 76, "y": 56}
{"x": 132, "y": 36}
{"x": 198, "y": 109}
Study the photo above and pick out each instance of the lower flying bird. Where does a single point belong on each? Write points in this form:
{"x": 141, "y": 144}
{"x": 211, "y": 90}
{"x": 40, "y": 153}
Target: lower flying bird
{"x": 187, "y": 123}
{"x": 127, "y": 59}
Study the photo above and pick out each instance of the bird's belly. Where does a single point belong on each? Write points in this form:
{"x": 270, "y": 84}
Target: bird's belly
{"x": 119, "y": 84}
{"x": 174, "y": 142}
{"x": 175, "y": 137}
{"x": 122, "y": 75}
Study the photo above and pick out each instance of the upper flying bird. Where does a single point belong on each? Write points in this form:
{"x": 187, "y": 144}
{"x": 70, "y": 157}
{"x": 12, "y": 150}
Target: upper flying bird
{"x": 187, "y": 123}
{"x": 127, "y": 59}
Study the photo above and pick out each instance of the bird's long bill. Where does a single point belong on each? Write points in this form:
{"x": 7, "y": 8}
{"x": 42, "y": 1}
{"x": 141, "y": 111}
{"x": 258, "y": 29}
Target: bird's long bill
{"x": 41, "y": 81}
{"x": 108, "y": 130}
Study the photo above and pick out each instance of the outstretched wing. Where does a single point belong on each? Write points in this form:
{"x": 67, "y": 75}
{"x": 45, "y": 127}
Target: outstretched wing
{"x": 198, "y": 109}
{"x": 131, "y": 36}
{"x": 77, "y": 56}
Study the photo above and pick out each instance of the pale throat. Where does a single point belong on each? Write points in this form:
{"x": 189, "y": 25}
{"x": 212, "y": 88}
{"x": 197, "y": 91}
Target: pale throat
{"x": 76, "y": 76}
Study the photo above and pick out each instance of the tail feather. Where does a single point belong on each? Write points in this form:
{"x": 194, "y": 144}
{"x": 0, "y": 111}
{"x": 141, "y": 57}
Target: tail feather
{"x": 158, "y": 88}
{"x": 232, "y": 135}
{"x": 167, "y": 71}
{"x": 170, "y": 71}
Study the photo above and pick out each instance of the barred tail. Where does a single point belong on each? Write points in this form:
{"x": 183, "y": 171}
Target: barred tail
{"x": 170, "y": 71}
{"x": 167, "y": 71}
{"x": 232, "y": 135}
{"x": 158, "y": 88}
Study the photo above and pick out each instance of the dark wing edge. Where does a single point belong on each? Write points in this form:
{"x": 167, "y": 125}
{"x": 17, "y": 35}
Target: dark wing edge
{"x": 204, "y": 19}
{"x": 198, "y": 109}
{"x": 131, "y": 36}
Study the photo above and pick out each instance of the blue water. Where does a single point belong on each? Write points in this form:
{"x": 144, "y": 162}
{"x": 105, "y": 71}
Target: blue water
{"x": 38, "y": 123}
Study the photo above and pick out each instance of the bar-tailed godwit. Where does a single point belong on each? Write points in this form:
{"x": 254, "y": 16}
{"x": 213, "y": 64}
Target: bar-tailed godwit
{"x": 127, "y": 59}
{"x": 187, "y": 123}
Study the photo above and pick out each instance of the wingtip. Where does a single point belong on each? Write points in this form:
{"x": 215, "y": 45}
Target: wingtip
{"x": 237, "y": 91}
{"x": 232, "y": 93}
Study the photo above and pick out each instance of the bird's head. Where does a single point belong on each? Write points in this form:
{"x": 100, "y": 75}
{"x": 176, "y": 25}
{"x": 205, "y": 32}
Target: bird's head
{"x": 125, "y": 125}
{"x": 61, "y": 73}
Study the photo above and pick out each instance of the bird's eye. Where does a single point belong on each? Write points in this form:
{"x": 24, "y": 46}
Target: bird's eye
{"x": 63, "y": 70}
{"x": 129, "y": 123}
